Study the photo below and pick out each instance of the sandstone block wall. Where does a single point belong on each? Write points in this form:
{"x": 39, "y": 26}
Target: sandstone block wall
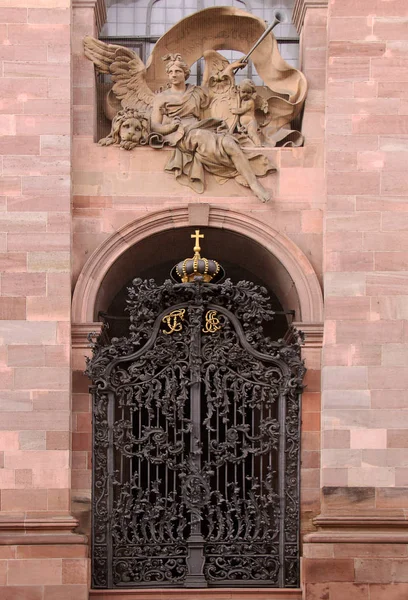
{"x": 355, "y": 56}
{"x": 35, "y": 258}
{"x": 364, "y": 383}
{"x": 366, "y": 227}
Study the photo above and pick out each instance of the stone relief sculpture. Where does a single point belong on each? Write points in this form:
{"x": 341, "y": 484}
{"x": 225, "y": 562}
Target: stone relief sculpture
{"x": 249, "y": 101}
{"x": 217, "y": 127}
{"x": 201, "y": 143}
{"x": 130, "y": 128}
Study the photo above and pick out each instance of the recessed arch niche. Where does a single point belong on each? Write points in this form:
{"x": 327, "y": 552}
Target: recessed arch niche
{"x": 149, "y": 246}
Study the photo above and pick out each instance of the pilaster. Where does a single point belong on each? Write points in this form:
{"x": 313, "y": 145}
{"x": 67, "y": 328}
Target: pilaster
{"x": 302, "y": 7}
{"x": 98, "y": 7}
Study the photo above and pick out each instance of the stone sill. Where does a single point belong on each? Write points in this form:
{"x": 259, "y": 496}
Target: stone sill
{"x": 198, "y": 594}
{"x": 88, "y": 156}
{"x": 286, "y": 149}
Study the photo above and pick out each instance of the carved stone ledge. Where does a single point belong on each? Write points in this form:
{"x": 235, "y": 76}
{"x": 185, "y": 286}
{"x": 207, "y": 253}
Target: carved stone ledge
{"x": 300, "y": 9}
{"x": 80, "y": 332}
{"x": 47, "y": 530}
{"x": 99, "y": 7}
{"x": 313, "y": 333}
{"x": 361, "y": 529}
{"x": 297, "y": 265}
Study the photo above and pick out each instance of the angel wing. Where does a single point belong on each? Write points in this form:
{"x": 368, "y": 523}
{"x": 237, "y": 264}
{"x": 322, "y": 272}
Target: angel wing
{"x": 127, "y": 70}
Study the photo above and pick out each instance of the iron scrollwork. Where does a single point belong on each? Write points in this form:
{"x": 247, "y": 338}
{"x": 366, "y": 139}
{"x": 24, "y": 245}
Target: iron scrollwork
{"x": 196, "y": 442}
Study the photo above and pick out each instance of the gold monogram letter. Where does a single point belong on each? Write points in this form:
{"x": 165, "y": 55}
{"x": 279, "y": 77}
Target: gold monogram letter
{"x": 173, "y": 321}
{"x": 212, "y": 323}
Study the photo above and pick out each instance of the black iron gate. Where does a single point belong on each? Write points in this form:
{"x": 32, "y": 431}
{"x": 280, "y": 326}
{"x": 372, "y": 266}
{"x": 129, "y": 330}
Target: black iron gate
{"x": 196, "y": 442}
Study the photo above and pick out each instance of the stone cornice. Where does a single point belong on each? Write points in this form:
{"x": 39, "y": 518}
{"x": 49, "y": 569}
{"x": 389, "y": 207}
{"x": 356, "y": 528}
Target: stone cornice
{"x": 202, "y": 594}
{"x": 300, "y": 9}
{"x": 48, "y": 530}
{"x": 80, "y": 332}
{"x": 99, "y": 7}
{"x": 313, "y": 333}
{"x": 360, "y": 529}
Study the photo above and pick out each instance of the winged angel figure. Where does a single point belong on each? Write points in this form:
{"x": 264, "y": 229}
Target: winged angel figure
{"x": 177, "y": 118}
{"x": 216, "y": 127}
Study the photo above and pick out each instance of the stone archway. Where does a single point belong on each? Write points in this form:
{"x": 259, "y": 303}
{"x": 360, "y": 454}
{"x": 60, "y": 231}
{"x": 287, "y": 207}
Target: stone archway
{"x": 289, "y": 262}
{"x": 283, "y": 259}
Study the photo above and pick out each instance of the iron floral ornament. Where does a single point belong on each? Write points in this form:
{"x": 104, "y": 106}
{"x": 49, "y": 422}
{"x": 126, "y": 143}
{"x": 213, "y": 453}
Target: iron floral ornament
{"x": 196, "y": 442}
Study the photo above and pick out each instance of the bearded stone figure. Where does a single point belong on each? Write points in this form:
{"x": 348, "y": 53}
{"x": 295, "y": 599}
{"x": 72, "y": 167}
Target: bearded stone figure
{"x": 216, "y": 127}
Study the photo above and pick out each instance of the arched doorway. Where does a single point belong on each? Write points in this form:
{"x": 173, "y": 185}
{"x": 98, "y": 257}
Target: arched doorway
{"x": 196, "y": 437}
{"x": 247, "y": 256}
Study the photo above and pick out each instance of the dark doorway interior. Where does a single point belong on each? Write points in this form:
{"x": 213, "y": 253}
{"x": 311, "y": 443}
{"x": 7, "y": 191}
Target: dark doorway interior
{"x": 241, "y": 258}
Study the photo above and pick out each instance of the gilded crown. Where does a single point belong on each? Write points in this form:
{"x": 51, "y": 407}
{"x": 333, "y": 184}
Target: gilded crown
{"x": 196, "y": 267}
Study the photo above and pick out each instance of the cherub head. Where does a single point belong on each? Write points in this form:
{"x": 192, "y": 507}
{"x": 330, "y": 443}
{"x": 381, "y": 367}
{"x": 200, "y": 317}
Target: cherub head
{"x": 247, "y": 89}
{"x": 129, "y": 129}
{"x": 172, "y": 60}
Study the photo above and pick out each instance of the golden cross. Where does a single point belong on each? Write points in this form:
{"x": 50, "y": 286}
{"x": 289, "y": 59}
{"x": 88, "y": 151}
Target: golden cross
{"x": 196, "y": 236}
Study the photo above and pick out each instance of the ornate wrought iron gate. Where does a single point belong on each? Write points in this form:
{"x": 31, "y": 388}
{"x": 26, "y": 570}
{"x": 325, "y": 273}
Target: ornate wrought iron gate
{"x": 196, "y": 442}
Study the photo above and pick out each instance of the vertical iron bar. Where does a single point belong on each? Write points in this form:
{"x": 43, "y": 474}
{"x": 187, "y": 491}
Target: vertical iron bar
{"x": 299, "y": 427}
{"x": 139, "y": 435}
{"x": 111, "y": 469}
{"x": 217, "y": 429}
{"x": 122, "y": 462}
{"x": 282, "y": 499}
{"x": 244, "y": 462}
{"x": 195, "y": 542}
{"x": 149, "y": 424}
{"x": 166, "y": 482}
{"x": 270, "y": 451}
{"x": 94, "y": 479}
{"x": 157, "y": 449}
{"x": 174, "y": 427}
{"x": 235, "y": 445}
{"x": 228, "y": 466}
{"x": 252, "y": 473}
